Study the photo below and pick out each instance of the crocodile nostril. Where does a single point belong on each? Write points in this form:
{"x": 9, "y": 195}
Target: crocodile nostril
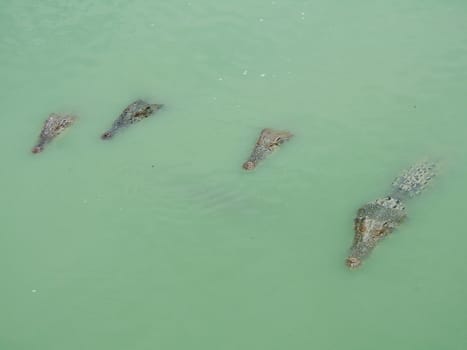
{"x": 248, "y": 165}
{"x": 106, "y": 135}
{"x": 353, "y": 262}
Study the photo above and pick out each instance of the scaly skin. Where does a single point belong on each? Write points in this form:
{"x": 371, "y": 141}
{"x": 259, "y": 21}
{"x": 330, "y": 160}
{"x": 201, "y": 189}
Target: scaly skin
{"x": 377, "y": 219}
{"x": 54, "y": 125}
{"x": 269, "y": 140}
{"x": 135, "y": 112}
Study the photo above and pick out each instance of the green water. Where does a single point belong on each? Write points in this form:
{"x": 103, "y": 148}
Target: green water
{"x": 159, "y": 240}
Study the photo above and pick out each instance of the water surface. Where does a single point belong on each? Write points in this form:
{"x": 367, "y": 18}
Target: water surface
{"x": 159, "y": 240}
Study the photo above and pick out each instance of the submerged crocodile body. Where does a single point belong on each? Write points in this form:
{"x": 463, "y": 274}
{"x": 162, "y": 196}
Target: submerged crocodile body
{"x": 377, "y": 219}
{"x": 269, "y": 140}
{"x": 135, "y": 112}
{"x": 54, "y": 125}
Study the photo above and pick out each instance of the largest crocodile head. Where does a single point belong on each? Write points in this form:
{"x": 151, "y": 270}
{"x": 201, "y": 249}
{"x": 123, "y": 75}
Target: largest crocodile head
{"x": 269, "y": 140}
{"x": 374, "y": 221}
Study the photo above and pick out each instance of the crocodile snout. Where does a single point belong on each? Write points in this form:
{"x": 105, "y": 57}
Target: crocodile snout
{"x": 353, "y": 262}
{"x": 107, "y": 135}
{"x": 37, "y": 149}
{"x": 249, "y": 165}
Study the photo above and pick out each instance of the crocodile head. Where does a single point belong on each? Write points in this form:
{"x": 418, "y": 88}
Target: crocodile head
{"x": 135, "y": 112}
{"x": 268, "y": 141}
{"x": 53, "y": 126}
{"x": 373, "y": 223}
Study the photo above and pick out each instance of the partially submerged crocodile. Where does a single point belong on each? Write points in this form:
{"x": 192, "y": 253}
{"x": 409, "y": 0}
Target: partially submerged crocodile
{"x": 377, "y": 219}
{"x": 54, "y": 125}
{"x": 269, "y": 140}
{"x": 135, "y": 112}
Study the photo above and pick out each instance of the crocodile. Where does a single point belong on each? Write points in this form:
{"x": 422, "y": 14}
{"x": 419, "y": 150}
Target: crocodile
{"x": 376, "y": 220}
{"x": 135, "y": 112}
{"x": 54, "y": 125}
{"x": 269, "y": 140}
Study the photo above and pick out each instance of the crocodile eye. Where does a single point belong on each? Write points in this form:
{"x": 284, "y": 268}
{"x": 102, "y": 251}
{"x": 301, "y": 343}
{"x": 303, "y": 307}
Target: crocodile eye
{"x": 360, "y": 226}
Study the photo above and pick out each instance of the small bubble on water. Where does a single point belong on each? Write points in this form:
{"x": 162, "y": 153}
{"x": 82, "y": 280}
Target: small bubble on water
{"x": 262, "y": 75}
{"x": 261, "y": 19}
{"x": 220, "y": 79}
{"x": 34, "y": 291}
{"x": 245, "y": 72}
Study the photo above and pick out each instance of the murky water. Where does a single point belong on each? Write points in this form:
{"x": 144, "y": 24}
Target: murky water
{"x": 158, "y": 239}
